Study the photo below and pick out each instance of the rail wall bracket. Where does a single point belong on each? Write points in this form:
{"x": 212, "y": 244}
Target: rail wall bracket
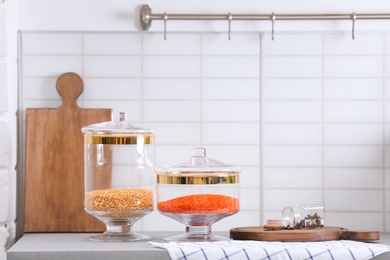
{"x": 145, "y": 13}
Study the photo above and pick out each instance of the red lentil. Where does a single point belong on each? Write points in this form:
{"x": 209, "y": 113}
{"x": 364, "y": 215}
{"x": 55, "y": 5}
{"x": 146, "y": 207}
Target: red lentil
{"x": 200, "y": 204}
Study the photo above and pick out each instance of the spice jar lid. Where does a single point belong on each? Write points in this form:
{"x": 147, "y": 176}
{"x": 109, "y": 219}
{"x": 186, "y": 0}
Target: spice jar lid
{"x": 118, "y": 131}
{"x": 198, "y": 169}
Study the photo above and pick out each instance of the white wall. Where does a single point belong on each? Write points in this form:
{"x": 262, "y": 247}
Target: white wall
{"x": 8, "y": 129}
{"x": 307, "y": 122}
{"x": 324, "y": 176}
{"x": 106, "y": 15}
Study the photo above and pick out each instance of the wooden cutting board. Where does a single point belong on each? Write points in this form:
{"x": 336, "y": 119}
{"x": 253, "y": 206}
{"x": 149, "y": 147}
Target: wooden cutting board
{"x": 303, "y": 235}
{"x": 54, "y": 166}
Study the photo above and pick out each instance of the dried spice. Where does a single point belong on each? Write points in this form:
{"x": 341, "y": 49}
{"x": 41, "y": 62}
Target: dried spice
{"x": 200, "y": 204}
{"x": 119, "y": 200}
{"x": 310, "y": 221}
{"x": 303, "y": 217}
{"x": 273, "y": 225}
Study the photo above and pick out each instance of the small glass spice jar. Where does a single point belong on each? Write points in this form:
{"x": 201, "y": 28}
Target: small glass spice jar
{"x": 119, "y": 176}
{"x": 198, "y": 192}
{"x": 303, "y": 216}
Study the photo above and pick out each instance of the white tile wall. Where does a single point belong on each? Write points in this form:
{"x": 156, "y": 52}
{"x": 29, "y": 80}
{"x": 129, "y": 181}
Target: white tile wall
{"x": 304, "y": 115}
{"x": 8, "y": 129}
{"x": 324, "y": 127}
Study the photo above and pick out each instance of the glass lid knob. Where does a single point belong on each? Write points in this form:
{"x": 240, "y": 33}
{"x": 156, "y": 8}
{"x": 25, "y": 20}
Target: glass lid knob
{"x": 198, "y": 156}
{"x": 198, "y": 152}
{"x": 118, "y": 116}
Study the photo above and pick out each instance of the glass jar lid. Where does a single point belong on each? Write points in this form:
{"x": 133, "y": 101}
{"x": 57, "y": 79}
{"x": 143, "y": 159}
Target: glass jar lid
{"x": 117, "y": 125}
{"x": 118, "y": 131}
{"x": 198, "y": 169}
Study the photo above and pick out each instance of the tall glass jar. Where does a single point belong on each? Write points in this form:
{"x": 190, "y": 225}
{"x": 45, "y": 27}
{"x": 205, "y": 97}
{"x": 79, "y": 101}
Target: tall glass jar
{"x": 303, "y": 216}
{"x": 119, "y": 176}
{"x": 198, "y": 192}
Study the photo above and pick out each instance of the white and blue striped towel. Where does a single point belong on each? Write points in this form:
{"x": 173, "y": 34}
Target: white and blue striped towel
{"x": 243, "y": 249}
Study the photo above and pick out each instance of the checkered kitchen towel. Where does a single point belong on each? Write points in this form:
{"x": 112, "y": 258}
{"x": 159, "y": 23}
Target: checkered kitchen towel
{"x": 241, "y": 249}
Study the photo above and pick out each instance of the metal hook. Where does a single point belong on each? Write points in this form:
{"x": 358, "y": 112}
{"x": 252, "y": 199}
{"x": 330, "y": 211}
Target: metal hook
{"x": 353, "y": 25}
{"x": 165, "y": 18}
{"x": 273, "y": 18}
{"x": 230, "y": 17}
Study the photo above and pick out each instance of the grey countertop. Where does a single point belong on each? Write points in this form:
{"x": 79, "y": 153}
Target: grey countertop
{"x": 33, "y": 246}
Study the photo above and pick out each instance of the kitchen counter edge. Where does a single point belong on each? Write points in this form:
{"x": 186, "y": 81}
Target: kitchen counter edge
{"x": 34, "y": 246}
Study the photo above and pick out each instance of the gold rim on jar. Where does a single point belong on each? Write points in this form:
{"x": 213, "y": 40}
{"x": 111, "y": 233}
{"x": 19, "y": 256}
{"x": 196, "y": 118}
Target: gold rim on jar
{"x": 197, "y": 180}
{"x": 134, "y": 139}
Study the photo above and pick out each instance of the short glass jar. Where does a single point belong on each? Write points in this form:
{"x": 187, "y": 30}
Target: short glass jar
{"x": 198, "y": 192}
{"x": 303, "y": 216}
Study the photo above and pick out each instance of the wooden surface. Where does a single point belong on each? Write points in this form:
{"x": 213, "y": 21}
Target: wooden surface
{"x": 54, "y": 166}
{"x": 303, "y": 235}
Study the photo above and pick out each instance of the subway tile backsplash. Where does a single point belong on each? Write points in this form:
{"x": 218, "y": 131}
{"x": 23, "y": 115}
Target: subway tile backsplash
{"x": 306, "y": 115}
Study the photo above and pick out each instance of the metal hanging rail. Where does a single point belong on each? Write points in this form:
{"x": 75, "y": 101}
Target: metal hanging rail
{"x": 146, "y": 18}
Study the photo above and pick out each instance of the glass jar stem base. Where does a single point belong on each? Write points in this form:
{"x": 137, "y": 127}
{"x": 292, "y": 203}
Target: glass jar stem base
{"x": 119, "y": 233}
{"x": 197, "y": 234}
